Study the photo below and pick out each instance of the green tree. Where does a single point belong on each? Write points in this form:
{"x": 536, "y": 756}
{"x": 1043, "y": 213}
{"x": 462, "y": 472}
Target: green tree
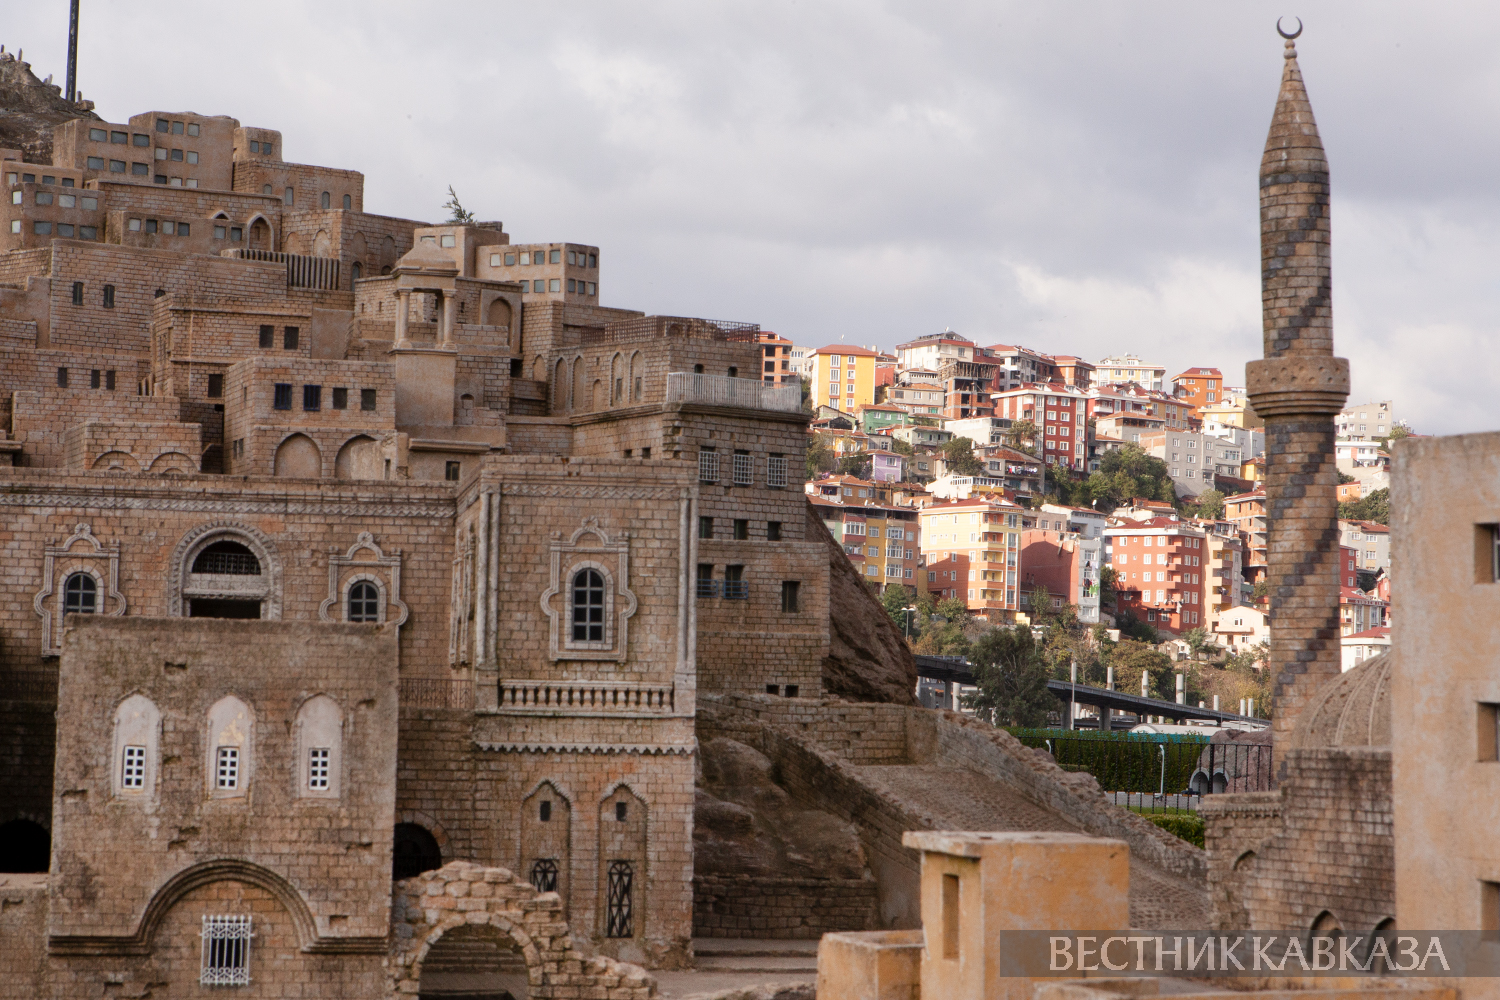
{"x": 1344, "y": 477}
{"x": 1198, "y": 639}
{"x": 959, "y": 456}
{"x": 1107, "y": 586}
{"x": 1021, "y": 435}
{"x": 1261, "y": 591}
{"x": 900, "y": 447}
{"x": 807, "y": 403}
{"x": 1374, "y": 506}
{"x": 1131, "y": 658}
{"x": 858, "y": 466}
{"x": 456, "y": 211}
{"x": 1210, "y": 505}
{"x": 947, "y": 633}
{"x": 895, "y": 600}
{"x": 1012, "y": 678}
{"x": 820, "y": 456}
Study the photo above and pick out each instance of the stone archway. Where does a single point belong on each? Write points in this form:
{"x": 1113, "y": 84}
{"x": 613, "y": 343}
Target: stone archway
{"x": 462, "y": 896}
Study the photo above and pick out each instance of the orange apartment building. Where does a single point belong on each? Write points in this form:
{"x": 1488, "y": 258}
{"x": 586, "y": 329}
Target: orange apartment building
{"x": 1199, "y": 387}
{"x": 1160, "y": 572}
{"x": 972, "y": 551}
{"x": 1060, "y": 413}
{"x": 777, "y": 366}
{"x": 1247, "y": 512}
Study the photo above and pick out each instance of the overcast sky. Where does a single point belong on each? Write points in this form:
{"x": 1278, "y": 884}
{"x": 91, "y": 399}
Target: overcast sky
{"x": 1079, "y": 178}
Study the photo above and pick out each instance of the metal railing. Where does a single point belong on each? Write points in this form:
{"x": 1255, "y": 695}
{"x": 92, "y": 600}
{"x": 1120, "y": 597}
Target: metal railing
{"x": 720, "y": 390}
{"x": 736, "y": 590}
{"x": 302, "y": 270}
{"x": 436, "y": 692}
{"x": 529, "y": 697}
{"x": 708, "y": 588}
{"x": 1156, "y": 773}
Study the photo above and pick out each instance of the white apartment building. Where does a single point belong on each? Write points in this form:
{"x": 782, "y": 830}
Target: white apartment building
{"x": 1371, "y": 543}
{"x": 1193, "y": 460}
{"x": 1129, "y": 368}
{"x": 1018, "y": 366}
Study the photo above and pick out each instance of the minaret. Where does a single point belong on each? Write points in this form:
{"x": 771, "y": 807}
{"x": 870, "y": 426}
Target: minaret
{"x": 1297, "y": 389}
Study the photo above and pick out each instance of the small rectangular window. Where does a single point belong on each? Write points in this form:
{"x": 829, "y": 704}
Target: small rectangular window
{"x": 109, "y": 296}
{"x": 98, "y": 135}
{"x": 141, "y": 170}
{"x": 708, "y": 466}
{"x": 776, "y": 471}
{"x": 236, "y": 234}
{"x": 94, "y": 378}
{"x": 572, "y": 285}
{"x": 790, "y": 590}
{"x": 289, "y": 198}
{"x": 526, "y": 258}
{"x": 227, "y": 768}
{"x": 705, "y": 527}
{"x": 741, "y": 529}
{"x": 510, "y": 260}
{"x": 176, "y": 156}
{"x": 736, "y": 587}
{"x": 451, "y": 471}
{"x": 78, "y": 293}
{"x": 593, "y": 260}
{"x": 317, "y": 768}
{"x": 162, "y": 125}
{"x": 152, "y": 225}
{"x": 446, "y": 241}
{"x": 1487, "y": 553}
{"x": 707, "y": 585}
{"x": 283, "y": 398}
{"x": 44, "y": 197}
{"x": 134, "y": 773}
{"x": 91, "y": 204}
{"x": 220, "y": 232}
{"x": 119, "y": 138}
{"x": 226, "y": 951}
{"x": 161, "y": 152}
{"x": 215, "y": 386}
{"x": 62, "y": 378}
{"x": 367, "y": 399}
{"x": 312, "y": 397}
{"x": 42, "y": 228}
{"x": 183, "y": 229}
{"x": 591, "y": 288}
{"x": 773, "y": 531}
{"x": 267, "y": 336}
{"x": 289, "y": 338}
{"x": 109, "y": 380}
{"x": 169, "y": 227}
{"x": 341, "y": 399}
{"x": 192, "y": 128}
{"x": 554, "y": 257}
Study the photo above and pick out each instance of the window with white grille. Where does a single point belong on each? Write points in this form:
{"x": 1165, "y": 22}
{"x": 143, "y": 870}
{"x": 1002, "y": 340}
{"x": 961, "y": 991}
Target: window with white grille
{"x": 776, "y": 471}
{"x": 744, "y": 469}
{"x": 708, "y": 467}
{"x": 226, "y": 950}
{"x": 317, "y": 769}
{"x": 227, "y": 768}
{"x": 134, "y": 775}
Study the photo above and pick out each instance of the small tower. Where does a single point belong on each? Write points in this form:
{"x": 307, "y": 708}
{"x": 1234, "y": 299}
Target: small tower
{"x": 1297, "y": 389}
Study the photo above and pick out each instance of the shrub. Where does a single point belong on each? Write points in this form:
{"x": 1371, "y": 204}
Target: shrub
{"x": 1186, "y": 826}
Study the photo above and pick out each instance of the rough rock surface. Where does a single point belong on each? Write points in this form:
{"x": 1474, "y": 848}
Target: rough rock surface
{"x": 29, "y": 108}
{"x": 868, "y": 660}
{"x": 746, "y": 824}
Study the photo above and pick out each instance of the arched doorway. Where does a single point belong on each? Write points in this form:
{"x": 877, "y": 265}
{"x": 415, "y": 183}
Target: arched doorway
{"x": 25, "y": 846}
{"x": 260, "y": 235}
{"x": 414, "y": 851}
{"x": 475, "y": 962}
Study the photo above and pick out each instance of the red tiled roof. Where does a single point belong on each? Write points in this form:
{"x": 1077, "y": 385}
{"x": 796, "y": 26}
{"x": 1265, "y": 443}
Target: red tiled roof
{"x": 858, "y": 352}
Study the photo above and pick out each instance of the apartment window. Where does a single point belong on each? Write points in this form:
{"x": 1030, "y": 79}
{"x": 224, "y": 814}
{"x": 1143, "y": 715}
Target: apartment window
{"x": 773, "y": 531}
{"x": 554, "y": 257}
{"x": 367, "y": 399}
{"x": 267, "y": 336}
{"x": 42, "y": 228}
{"x": 741, "y": 529}
{"x": 289, "y": 338}
{"x": 192, "y": 156}
{"x": 226, "y": 951}
{"x": 151, "y": 225}
{"x": 62, "y": 378}
{"x": 325, "y": 200}
{"x": 554, "y": 285}
{"x": 705, "y": 527}
{"x": 708, "y": 466}
{"x": 790, "y": 590}
{"x": 283, "y": 396}
{"x": 78, "y": 293}
{"x": 340, "y": 399}
{"x": 312, "y": 397}
{"x": 451, "y": 471}
{"x": 744, "y": 468}
{"x": 215, "y": 386}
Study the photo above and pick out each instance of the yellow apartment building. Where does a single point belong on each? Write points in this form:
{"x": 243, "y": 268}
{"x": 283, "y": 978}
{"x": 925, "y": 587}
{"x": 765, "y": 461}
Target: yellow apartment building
{"x": 973, "y": 550}
{"x": 842, "y": 376}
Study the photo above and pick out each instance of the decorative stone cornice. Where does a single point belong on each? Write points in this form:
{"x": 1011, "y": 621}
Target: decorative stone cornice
{"x": 1298, "y": 385}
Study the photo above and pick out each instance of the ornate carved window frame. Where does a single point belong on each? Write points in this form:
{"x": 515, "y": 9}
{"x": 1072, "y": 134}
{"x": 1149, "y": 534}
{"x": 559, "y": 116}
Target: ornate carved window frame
{"x": 336, "y": 607}
{"x": 184, "y": 584}
{"x": 611, "y": 558}
{"x": 59, "y": 562}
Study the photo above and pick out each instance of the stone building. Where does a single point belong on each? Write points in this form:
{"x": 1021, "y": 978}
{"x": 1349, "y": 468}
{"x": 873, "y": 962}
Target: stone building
{"x": 498, "y": 538}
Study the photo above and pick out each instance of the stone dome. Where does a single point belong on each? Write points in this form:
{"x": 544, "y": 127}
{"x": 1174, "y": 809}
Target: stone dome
{"x": 1352, "y": 711}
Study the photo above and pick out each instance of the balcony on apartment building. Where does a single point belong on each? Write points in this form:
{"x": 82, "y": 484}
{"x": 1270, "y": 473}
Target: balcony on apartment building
{"x": 720, "y": 390}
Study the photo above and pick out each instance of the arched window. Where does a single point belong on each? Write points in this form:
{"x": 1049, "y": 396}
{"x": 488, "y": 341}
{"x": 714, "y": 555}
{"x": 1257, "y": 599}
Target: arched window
{"x": 326, "y": 200}
{"x": 137, "y": 735}
{"x": 228, "y": 558}
{"x": 348, "y": 202}
{"x": 588, "y": 606}
{"x": 80, "y": 595}
{"x": 364, "y": 602}
{"x": 320, "y": 747}
{"x": 358, "y": 270}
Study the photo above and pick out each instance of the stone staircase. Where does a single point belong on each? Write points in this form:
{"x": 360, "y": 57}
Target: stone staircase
{"x": 753, "y": 957}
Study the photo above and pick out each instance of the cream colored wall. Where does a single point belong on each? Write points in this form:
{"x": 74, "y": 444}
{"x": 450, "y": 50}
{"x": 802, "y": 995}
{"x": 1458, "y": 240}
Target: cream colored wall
{"x": 1446, "y": 795}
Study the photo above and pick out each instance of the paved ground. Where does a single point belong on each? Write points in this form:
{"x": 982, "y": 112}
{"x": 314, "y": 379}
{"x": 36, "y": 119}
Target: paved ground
{"x": 957, "y": 799}
{"x": 738, "y": 964}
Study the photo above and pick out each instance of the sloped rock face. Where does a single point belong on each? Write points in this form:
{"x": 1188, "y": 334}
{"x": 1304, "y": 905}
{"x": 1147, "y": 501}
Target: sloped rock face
{"x": 868, "y": 660}
{"x": 29, "y": 108}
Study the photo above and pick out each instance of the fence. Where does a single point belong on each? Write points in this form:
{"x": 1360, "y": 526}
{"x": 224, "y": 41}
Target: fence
{"x": 720, "y": 390}
{"x": 1156, "y": 772}
{"x": 302, "y": 270}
